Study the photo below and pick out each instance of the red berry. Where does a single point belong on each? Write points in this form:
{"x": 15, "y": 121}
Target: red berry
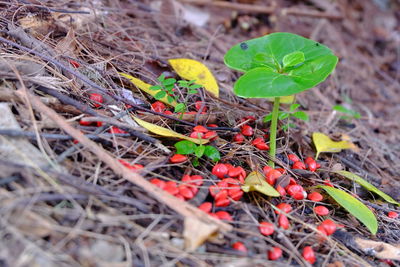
{"x": 281, "y": 170}
{"x": 315, "y": 196}
{"x": 74, "y": 63}
{"x": 158, "y": 106}
{"x": 247, "y": 130}
{"x": 311, "y": 164}
{"x": 295, "y": 191}
{"x": 266, "y": 170}
{"x": 266, "y": 228}
{"x": 222, "y": 194}
{"x": 196, "y": 135}
{"x": 197, "y": 179}
{"x": 168, "y": 112}
{"x": 308, "y": 254}
{"x": 239, "y": 246}
{"x": 85, "y": 123}
{"x": 220, "y": 170}
{"x": 236, "y": 195}
{"x": 285, "y": 207}
{"x": 222, "y": 202}
{"x": 171, "y": 188}
{"x": 274, "y": 253}
{"x": 329, "y": 226}
{"x": 236, "y": 171}
{"x": 238, "y": 138}
{"x": 210, "y": 135}
{"x": 116, "y": 130}
{"x": 283, "y": 221}
{"x": 200, "y": 129}
{"x": 178, "y": 158}
{"x": 260, "y": 143}
{"x": 214, "y": 189}
{"x": 321, "y": 210}
{"x": 298, "y": 165}
{"x": 327, "y": 182}
{"x": 206, "y": 207}
{"x": 157, "y": 182}
{"x": 185, "y": 192}
{"x": 281, "y": 190}
{"x": 198, "y": 105}
{"x": 223, "y": 215}
{"x": 321, "y": 228}
{"x": 293, "y": 158}
{"x": 272, "y": 176}
{"x": 392, "y": 214}
{"x": 97, "y": 99}
{"x": 99, "y": 123}
{"x": 135, "y": 167}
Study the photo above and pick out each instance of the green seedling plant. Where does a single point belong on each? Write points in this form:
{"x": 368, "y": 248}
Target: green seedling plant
{"x": 276, "y": 65}
{"x": 283, "y": 115}
{"x": 349, "y": 113}
{"x": 187, "y": 148}
{"x": 167, "y": 86}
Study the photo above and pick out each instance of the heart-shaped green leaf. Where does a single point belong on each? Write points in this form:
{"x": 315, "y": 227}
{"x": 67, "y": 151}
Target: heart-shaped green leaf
{"x": 263, "y": 61}
{"x": 353, "y": 177}
{"x": 354, "y": 207}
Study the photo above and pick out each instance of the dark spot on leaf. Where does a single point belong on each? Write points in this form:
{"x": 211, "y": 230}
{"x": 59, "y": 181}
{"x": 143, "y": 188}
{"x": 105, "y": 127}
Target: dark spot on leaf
{"x": 244, "y": 46}
{"x": 316, "y": 44}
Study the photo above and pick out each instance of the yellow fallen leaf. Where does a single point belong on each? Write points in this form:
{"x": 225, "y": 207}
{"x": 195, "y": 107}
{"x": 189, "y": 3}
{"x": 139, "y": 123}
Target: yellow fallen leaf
{"x": 167, "y": 132}
{"x": 255, "y": 181}
{"x": 145, "y": 87}
{"x": 323, "y": 143}
{"x": 190, "y": 69}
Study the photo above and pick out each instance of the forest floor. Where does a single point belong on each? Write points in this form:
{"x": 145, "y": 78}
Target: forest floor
{"x": 81, "y": 182}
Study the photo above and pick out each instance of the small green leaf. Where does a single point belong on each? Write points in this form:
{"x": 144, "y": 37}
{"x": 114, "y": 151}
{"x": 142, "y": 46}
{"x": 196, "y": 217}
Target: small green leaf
{"x": 181, "y": 107}
{"x": 301, "y": 115}
{"x": 283, "y": 115}
{"x": 347, "y": 111}
{"x": 161, "y": 77}
{"x": 354, "y": 207}
{"x": 353, "y": 177}
{"x": 155, "y": 87}
{"x": 195, "y": 162}
{"x": 185, "y": 147}
{"x": 192, "y": 92}
{"x": 268, "y": 118}
{"x": 255, "y": 181}
{"x": 170, "y": 100}
{"x": 293, "y": 107}
{"x": 212, "y": 153}
{"x": 160, "y": 95}
{"x": 195, "y": 86}
{"x": 169, "y": 81}
{"x": 293, "y": 59}
{"x": 199, "y": 151}
{"x": 183, "y": 83}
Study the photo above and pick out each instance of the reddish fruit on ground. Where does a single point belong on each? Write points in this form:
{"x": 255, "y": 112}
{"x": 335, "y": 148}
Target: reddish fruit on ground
{"x": 74, "y": 63}
{"x": 281, "y": 170}
{"x": 260, "y": 143}
{"x": 298, "y": 165}
{"x": 308, "y": 254}
{"x": 283, "y": 221}
{"x": 281, "y": 190}
{"x": 171, "y": 188}
{"x": 178, "y": 158}
{"x": 393, "y": 215}
{"x": 210, "y": 135}
{"x": 157, "y": 182}
{"x": 214, "y": 189}
{"x": 158, "y": 106}
{"x": 285, "y": 207}
{"x": 236, "y": 171}
{"x": 236, "y": 195}
{"x": 328, "y": 183}
{"x": 321, "y": 210}
{"x": 266, "y": 228}
{"x": 220, "y": 170}
{"x": 197, "y": 135}
{"x": 223, "y": 202}
{"x": 116, "y": 130}
{"x": 274, "y": 253}
{"x": 293, "y": 158}
{"x": 238, "y": 138}
{"x": 295, "y": 191}
{"x": 206, "y": 207}
{"x": 266, "y": 170}
{"x": 200, "y": 129}
{"x": 272, "y": 176}
{"x": 85, "y": 123}
{"x": 329, "y": 226}
{"x": 197, "y": 179}
{"x": 247, "y": 130}
{"x": 239, "y": 246}
{"x": 311, "y": 164}
{"x": 315, "y": 196}
{"x": 222, "y": 194}
{"x": 185, "y": 192}
{"x": 198, "y": 105}
{"x": 223, "y": 215}
{"x": 168, "y": 112}
{"x": 321, "y": 228}
{"x": 97, "y": 99}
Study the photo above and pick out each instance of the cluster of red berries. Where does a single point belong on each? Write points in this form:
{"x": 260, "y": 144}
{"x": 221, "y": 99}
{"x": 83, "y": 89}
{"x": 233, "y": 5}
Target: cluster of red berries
{"x": 133, "y": 167}
{"x": 247, "y": 130}
{"x": 160, "y": 107}
{"x": 309, "y": 163}
{"x": 202, "y": 132}
{"x": 229, "y": 188}
{"x": 221, "y": 214}
{"x": 185, "y": 191}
